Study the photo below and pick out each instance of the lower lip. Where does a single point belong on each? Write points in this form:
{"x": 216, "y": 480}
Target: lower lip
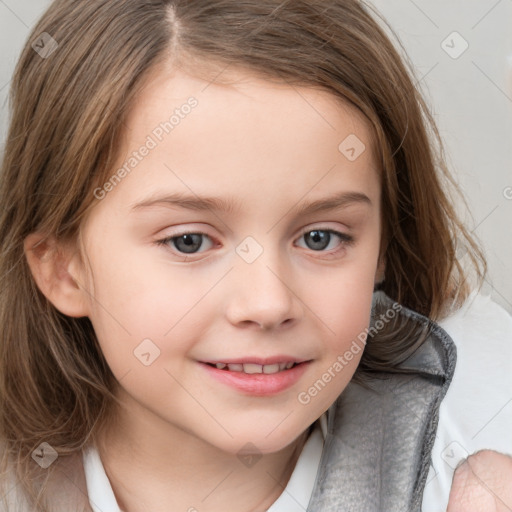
{"x": 259, "y": 384}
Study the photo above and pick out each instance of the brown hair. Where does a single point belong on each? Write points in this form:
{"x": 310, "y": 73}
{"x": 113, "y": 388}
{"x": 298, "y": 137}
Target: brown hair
{"x": 67, "y": 118}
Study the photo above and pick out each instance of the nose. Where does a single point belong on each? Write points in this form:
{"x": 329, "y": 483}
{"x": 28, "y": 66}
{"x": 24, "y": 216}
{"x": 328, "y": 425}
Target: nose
{"x": 263, "y": 295}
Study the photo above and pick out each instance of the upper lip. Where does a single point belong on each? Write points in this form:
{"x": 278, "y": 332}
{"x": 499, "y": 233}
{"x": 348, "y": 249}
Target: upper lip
{"x": 257, "y": 360}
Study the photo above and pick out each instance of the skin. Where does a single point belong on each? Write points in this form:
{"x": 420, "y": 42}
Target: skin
{"x": 271, "y": 147}
{"x": 482, "y": 483}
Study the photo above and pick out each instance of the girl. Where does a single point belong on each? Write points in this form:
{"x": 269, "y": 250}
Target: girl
{"x": 226, "y": 239}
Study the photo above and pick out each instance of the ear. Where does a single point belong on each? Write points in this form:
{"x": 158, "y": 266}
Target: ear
{"x": 57, "y": 270}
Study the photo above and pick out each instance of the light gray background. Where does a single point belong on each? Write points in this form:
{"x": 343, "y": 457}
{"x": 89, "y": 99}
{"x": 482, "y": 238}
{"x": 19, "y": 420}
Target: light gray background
{"x": 470, "y": 96}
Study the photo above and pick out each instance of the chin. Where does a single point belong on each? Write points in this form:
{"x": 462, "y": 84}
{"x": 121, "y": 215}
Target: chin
{"x": 262, "y": 441}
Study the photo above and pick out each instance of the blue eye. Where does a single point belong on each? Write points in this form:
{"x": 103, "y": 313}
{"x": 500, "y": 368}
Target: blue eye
{"x": 186, "y": 243}
{"x": 320, "y": 239}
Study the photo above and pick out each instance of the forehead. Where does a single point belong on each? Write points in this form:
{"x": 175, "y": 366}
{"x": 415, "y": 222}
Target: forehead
{"x": 245, "y": 134}
{"x": 213, "y": 83}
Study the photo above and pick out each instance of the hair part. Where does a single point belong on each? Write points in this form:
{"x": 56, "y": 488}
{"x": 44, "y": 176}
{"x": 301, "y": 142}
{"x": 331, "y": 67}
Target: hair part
{"x": 67, "y": 119}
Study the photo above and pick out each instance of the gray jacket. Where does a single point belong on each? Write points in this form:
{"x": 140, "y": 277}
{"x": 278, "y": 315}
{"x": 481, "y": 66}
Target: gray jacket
{"x": 376, "y": 455}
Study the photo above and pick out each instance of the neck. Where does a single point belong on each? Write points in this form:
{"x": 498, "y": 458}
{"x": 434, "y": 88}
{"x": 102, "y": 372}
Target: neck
{"x": 150, "y": 467}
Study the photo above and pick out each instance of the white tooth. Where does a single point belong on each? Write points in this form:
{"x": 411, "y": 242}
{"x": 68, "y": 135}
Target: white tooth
{"x": 253, "y": 368}
{"x": 235, "y": 367}
{"x": 289, "y": 365}
{"x": 220, "y": 366}
{"x": 271, "y": 368}
{"x": 282, "y": 366}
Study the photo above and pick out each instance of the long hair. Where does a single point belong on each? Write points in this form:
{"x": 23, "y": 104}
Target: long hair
{"x": 68, "y": 104}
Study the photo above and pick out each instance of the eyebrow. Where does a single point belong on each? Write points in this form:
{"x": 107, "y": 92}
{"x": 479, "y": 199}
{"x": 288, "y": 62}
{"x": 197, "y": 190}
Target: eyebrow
{"x": 231, "y": 205}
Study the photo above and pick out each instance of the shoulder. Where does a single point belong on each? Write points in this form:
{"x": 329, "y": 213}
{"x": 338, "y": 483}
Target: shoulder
{"x": 12, "y": 499}
{"x": 482, "y": 382}
{"x": 481, "y": 482}
{"x": 482, "y": 333}
{"x": 479, "y": 317}
{"x": 62, "y": 485}
{"x": 476, "y": 412}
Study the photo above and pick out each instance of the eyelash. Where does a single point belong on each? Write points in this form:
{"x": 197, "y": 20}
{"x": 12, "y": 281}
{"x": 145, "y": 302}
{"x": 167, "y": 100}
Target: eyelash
{"x": 345, "y": 240}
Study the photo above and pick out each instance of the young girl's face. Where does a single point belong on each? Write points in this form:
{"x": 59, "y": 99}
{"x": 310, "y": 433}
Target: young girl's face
{"x": 220, "y": 245}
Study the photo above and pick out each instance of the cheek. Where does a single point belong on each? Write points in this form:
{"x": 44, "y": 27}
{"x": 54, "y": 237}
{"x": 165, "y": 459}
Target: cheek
{"x": 139, "y": 309}
{"x": 344, "y": 310}
{"x": 343, "y": 301}
{"x": 144, "y": 295}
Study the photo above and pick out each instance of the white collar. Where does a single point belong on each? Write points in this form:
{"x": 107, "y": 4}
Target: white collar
{"x": 294, "y": 498}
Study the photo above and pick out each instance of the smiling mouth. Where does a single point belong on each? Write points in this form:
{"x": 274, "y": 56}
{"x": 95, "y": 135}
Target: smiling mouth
{"x": 251, "y": 368}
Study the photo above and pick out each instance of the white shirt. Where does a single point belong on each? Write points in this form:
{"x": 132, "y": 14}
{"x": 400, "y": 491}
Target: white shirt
{"x": 475, "y": 414}
{"x": 294, "y": 498}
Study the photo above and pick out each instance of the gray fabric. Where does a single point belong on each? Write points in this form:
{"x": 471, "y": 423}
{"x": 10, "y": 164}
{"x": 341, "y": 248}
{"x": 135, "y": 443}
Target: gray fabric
{"x": 376, "y": 454}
